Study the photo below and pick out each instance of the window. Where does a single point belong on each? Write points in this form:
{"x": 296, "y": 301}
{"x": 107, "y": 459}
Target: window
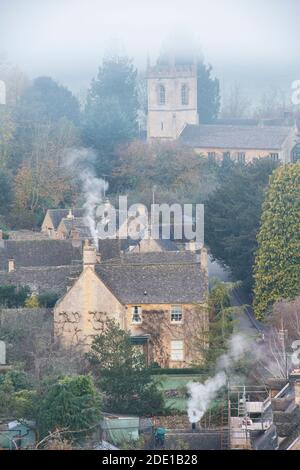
{"x": 211, "y": 156}
{"x": 136, "y": 315}
{"x": 161, "y": 94}
{"x": 296, "y": 153}
{"x": 184, "y": 95}
{"x": 226, "y": 156}
{"x": 177, "y": 350}
{"x": 176, "y": 314}
{"x": 274, "y": 157}
{"x": 241, "y": 157}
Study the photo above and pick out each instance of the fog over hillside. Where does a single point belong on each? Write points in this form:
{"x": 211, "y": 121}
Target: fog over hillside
{"x": 67, "y": 38}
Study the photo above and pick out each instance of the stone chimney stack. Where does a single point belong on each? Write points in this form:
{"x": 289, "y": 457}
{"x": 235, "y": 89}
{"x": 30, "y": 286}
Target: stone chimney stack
{"x": 70, "y": 215}
{"x": 2, "y": 353}
{"x": 191, "y": 246}
{"x": 295, "y": 380}
{"x": 89, "y": 255}
{"x": 11, "y": 265}
{"x": 204, "y": 260}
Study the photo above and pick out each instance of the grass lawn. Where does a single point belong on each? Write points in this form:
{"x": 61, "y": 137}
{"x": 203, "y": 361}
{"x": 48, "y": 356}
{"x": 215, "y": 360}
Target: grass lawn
{"x": 177, "y": 382}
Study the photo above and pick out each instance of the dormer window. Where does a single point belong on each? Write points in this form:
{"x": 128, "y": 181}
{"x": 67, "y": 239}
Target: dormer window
{"x": 184, "y": 95}
{"x": 161, "y": 95}
{"x": 136, "y": 315}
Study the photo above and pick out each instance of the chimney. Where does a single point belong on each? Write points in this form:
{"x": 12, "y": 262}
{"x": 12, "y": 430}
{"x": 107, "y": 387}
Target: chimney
{"x": 1, "y": 235}
{"x": 2, "y": 353}
{"x": 190, "y": 246}
{"x": 70, "y": 214}
{"x": 75, "y": 234}
{"x": 204, "y": 260}
{"x": 89, "y": 255}
{"x": 11, "y": 265}
{"x": 295, "y": 380}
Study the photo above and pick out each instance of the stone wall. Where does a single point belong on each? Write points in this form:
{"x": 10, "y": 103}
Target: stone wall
{"x": 83, "y": 311}
{"x": 26, "y": 331}
{"x": 156, "y": 322}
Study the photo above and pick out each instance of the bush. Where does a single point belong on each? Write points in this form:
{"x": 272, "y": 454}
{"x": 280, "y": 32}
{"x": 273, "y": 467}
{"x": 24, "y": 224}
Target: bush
{"x": 32, "y": 302}
{"x": 48, "y": 299}
{"x": 13, "y": 296}
{"x": 72, "y": 403}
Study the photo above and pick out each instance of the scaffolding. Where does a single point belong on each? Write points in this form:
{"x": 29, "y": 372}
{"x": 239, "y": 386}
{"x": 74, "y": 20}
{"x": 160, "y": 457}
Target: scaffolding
{"x": 250, "y": 413}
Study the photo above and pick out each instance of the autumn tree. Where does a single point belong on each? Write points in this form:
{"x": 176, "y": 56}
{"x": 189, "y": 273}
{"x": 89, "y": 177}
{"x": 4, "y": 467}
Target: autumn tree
{"x": 44, "y": 179}
{"x": 174, "y": 171}
{"x": 277, "y": 262}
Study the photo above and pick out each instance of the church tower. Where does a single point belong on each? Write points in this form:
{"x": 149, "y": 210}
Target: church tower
{"x": 172, "y": 100}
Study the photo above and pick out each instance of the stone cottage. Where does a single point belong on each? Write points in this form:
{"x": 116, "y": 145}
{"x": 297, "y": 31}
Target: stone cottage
{"x": 159, "y": 297}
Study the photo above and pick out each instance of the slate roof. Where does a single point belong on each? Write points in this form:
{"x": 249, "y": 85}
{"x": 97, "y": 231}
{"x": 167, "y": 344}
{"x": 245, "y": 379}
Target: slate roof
{"x": 163, "y": 245}
{"x": 235, "y": 137}
{"x": 205, "y": 439}
{"x": 80, "y": 224}
{"x": 58, "y": 214}
{"x": 160, "y": 257}
{"x": 34, "y": 253}
{"x": 41, "y": 279}
{"x": 150, "y": 278}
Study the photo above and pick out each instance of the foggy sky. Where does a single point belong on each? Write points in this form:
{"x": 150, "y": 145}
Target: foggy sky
{"x": 67, "y": 38}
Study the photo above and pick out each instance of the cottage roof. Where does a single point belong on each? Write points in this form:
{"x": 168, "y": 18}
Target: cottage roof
{"x": 34, "y": 253}
{"x": 235, "y": 137}
{"x": 57, "y": 215}
{"x": 151, "y": 278}
{"x": 80, "y": 224}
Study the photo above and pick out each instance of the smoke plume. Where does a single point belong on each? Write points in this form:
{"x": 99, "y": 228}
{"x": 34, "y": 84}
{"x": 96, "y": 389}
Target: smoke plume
{"x": 93, "y": 188}
{"x": 202, "y": 395}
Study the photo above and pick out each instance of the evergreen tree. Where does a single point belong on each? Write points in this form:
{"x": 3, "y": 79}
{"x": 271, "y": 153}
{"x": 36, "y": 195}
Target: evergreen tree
{"x": 122, "y": 373}
{"x": 208, "y": 94}
{"x": 71, "y": 403}
{"x": 110, "y": 115}
{"x": 232, "y": 216}
{"x": 277, "y": 263}
{"x": 221, "y": 321}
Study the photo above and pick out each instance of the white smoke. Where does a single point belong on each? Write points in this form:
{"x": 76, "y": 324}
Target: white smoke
{"x": 93, "y": 188}
{"x": 202, "y": 395}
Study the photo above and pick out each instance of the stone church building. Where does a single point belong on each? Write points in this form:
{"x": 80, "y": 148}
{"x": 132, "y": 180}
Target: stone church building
{"x": 173, "y": 115}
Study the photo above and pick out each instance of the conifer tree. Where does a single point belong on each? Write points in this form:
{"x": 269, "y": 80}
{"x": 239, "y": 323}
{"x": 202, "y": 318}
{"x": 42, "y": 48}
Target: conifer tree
{"x": 277, "y": 264}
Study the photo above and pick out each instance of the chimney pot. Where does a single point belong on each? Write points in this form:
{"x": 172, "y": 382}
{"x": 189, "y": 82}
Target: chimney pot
{"x": 2, "y": 353}
{"x": 89, "y": 255}
{"x": 11, "y": 265}
{"x": 204, "y": 260}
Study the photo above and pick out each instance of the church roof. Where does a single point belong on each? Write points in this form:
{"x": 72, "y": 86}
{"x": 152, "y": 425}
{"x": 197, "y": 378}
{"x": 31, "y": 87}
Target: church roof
{"x": 235, "y": 137}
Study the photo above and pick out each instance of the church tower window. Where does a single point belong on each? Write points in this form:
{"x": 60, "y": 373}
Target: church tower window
{"x": 184, "y": 95}
{"x": 162, "y": 94}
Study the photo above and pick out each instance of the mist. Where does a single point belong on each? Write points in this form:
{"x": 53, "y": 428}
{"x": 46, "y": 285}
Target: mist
{"x": 246, "y": 41}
